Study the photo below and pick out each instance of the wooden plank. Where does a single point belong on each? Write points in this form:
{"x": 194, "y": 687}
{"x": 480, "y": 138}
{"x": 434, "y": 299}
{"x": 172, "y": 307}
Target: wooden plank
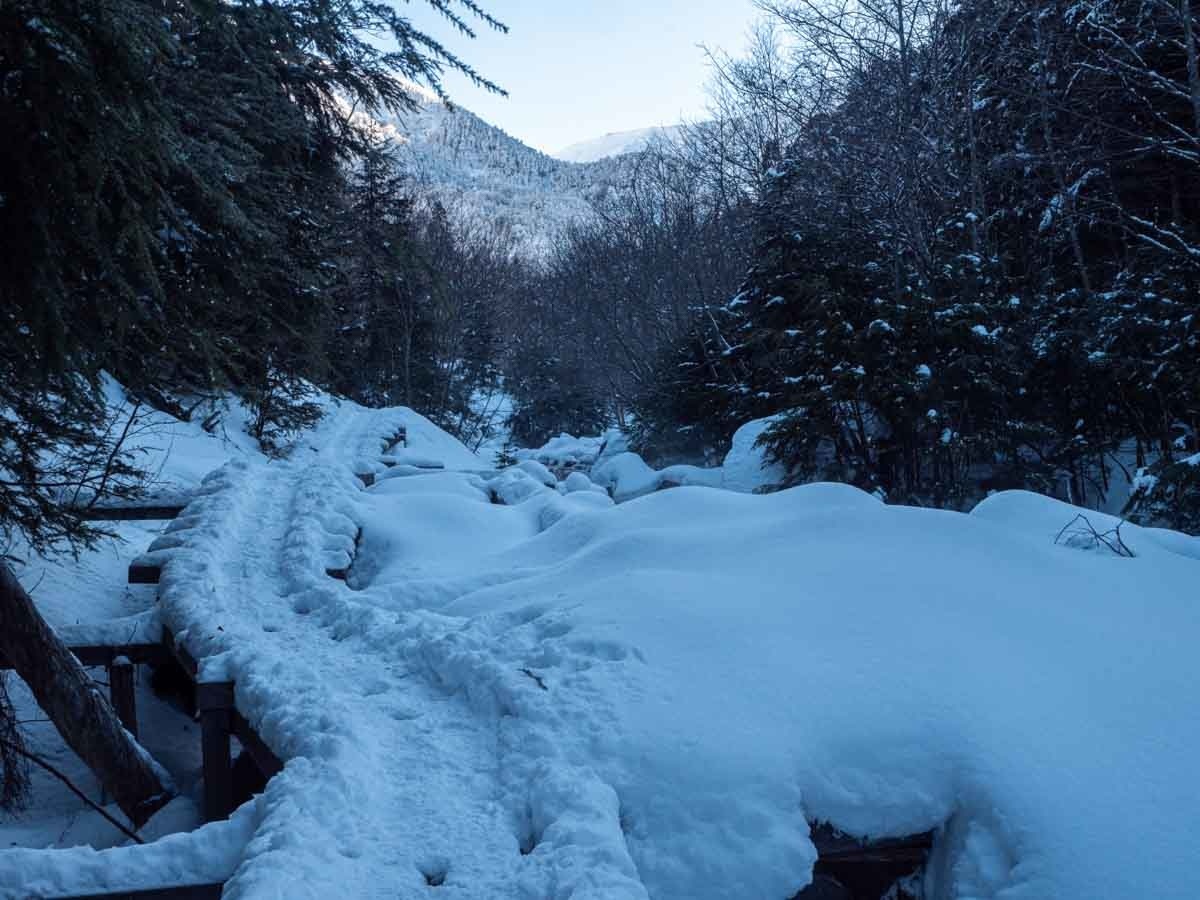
{"x": 264, "y": 757}
{"x": 131, "y": 513}
{"x": 144, "y": 573}
{"x": 180, "y": 653}
{"x": 94, "y": 655}
{"x": 217, "y": 764}
{"x": 138, "y": 654}
{"x": 220, "y": 695}
{"x": 180, "y": 892}
{"x": 833, "y": 846}
{"x": 214, "y": 695}
{"x": 120, "y": 690}
{"x": 399, "y": 437}
{"x": 423, "y": 466}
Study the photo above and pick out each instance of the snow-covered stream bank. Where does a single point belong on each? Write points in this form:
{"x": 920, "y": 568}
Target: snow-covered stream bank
{"x": 522, "y": 692}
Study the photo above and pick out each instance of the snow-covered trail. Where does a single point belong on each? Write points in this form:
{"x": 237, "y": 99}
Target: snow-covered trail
{"x": 391, "y": 779}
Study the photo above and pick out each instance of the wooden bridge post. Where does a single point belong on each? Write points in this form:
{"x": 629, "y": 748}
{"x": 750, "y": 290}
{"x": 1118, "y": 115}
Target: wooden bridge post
{"x": 214, "y": 701}
{"x": 121, "y": 693}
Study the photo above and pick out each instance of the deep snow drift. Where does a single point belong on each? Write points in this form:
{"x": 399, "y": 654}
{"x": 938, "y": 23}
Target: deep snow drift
{"x": 625, "y": 475}
{"x": 523, "y": 690}
{"x": 719, "y": 666}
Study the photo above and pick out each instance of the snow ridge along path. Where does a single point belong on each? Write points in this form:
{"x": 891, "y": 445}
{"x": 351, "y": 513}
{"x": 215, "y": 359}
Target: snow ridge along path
{"x": 384, "y": 773}
{"x": 388, "y": 779}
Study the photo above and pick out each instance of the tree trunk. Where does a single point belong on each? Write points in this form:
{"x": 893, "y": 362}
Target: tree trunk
{"x": 76, "y": 706}
{"x": 1193, "y": 66}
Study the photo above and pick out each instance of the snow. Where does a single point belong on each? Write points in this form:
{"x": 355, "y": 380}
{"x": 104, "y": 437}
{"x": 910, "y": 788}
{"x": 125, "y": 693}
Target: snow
{"x": 569, "y": 452}
{"x": 206, "y": 855}
{"x": 179, "y": 454}
{"x": 1041, "y": 519}
{"x": 480, "y": 174}
{"x": 577, "y": 481}
{"x": 746, "y": 467}
{"x": 526, "y": 691}
{"x": 538, "y": 472}
{"x": 702, "y": 691}
{"x": 625, "y": 475}
{"x": 615, "y": 143}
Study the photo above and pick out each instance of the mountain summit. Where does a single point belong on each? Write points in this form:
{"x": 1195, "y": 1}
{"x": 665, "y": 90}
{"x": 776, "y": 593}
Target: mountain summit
{"x": 480, "y": 173}
{"x": 613, "y": 144}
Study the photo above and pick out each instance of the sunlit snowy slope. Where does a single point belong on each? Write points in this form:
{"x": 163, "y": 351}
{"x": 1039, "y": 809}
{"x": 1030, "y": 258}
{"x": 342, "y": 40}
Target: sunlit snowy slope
{"x": 481, "y": 174}
{"x": 616, "y": 143}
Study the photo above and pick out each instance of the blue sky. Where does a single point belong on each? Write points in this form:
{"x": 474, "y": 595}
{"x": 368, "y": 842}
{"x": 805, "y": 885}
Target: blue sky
{"x": 578, "y": 69}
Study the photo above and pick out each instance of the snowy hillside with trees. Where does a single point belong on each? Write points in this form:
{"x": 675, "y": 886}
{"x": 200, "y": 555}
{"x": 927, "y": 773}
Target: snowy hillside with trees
{"x": 482, "y": 175}
{"x": 616, "y": 143}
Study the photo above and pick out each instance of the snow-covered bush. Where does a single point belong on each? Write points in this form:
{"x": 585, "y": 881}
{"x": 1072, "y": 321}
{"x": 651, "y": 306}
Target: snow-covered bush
{"x": 1168, "y": 494}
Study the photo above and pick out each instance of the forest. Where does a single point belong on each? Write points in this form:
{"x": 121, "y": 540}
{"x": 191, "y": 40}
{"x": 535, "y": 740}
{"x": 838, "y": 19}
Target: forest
{"x": 950, "y": 248}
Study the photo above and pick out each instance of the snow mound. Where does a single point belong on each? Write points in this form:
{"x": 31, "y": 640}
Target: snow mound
{"x": 1043, "y": 519}
{"x": 625, "y": 475}
{"x": 427, "y": 442}
{"x": 577, "y": 481}
{"x": 538, "y": 472}
{"x": 565, "y": 451}
{"x": 680, "y": 681}
{"x": 746, "y": 467}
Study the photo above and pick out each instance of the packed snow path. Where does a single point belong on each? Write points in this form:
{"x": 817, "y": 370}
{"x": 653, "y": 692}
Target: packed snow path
{"x": 387, "y": 772}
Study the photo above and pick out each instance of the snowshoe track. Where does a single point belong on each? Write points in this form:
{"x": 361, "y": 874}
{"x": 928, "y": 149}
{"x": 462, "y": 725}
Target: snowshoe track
{"x": 327, "y": 681}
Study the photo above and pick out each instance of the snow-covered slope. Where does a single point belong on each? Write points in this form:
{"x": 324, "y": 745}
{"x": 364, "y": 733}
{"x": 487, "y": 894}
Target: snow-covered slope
{"x": 615, "y": 143}
{"x": 522, "y": 690}
{"x": 481, "y": 173}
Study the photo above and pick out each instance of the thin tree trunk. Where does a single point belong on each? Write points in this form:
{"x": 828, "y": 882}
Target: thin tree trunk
{"x": 1193, "y": 66}
{"x": 77, "y": 708}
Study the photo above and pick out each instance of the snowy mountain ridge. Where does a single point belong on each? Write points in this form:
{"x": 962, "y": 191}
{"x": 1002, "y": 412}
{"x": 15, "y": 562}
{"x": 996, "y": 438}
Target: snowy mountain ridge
{"x": 614, "y": 144}
{"x": 481, "y": 174}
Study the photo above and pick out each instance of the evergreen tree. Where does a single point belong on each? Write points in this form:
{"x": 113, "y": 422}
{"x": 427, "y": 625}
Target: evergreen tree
{"x": 169, "y": 175}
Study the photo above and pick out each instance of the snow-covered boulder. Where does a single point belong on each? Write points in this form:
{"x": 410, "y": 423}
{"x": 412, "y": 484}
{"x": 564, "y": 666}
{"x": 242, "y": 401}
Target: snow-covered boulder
{"x": 515, "y": 485}
{"x": 577, "y": 481}
{"x": 689, "y": 476}
{"x": 746, "y": 468}
{"x": 625, "y": 476}
{"x": 558, "y": 508}
{"x": 565, "y": 452}
{"x": 536, "y": 470}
